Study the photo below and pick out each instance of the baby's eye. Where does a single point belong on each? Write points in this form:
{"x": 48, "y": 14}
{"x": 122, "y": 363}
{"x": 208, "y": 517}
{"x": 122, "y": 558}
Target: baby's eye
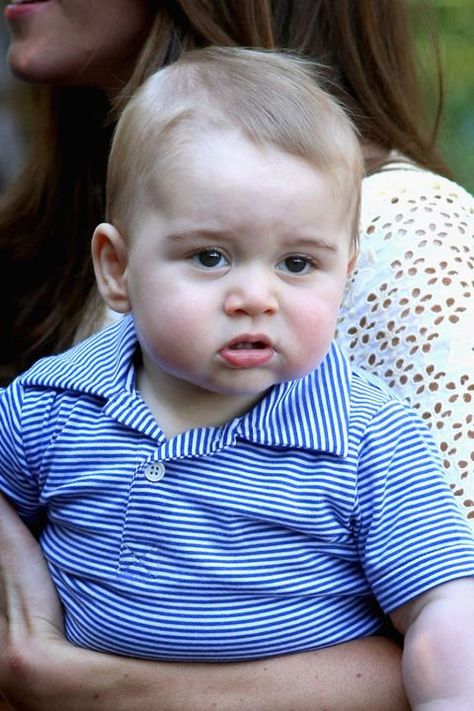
{"x": 209, "y": 259}
{"x": 296, "y": 264}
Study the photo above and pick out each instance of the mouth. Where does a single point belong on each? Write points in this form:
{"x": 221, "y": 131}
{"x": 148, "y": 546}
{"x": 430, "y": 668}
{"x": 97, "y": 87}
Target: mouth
{"x": 17, "y": 9}
{"x": 248, "y": 351}
{"x": 248, "y": 343}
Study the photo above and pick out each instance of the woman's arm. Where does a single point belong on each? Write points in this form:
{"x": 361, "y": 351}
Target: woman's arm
{"x": 364, "y": 676}
{"x": 41, "y": 671}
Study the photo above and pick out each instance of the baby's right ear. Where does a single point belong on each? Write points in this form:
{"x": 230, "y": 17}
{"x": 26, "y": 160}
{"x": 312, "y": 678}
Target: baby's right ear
{"x": 109, "y": 255}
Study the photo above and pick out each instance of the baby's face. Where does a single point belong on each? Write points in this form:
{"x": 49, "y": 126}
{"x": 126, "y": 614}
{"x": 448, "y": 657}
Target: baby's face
{"x": 236, "y": 268}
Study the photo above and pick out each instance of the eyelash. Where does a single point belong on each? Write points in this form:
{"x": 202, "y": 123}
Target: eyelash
{"x": 309, "y": 263}
{"x": 216, "y": 256}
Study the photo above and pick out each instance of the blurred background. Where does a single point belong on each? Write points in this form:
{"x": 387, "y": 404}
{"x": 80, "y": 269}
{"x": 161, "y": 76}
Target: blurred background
{"x": 454, "y": 22}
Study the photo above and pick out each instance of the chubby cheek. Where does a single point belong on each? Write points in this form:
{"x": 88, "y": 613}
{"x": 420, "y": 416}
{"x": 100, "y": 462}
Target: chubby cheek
{"x": 313, "y": 330}
{"x": 173, "y": 331}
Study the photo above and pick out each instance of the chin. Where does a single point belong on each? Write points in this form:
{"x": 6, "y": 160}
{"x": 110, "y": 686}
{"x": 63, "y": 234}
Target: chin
{"x": 24, "y": 65}
{"x": 33, "y": 66}
{"x": 247, "y": 389}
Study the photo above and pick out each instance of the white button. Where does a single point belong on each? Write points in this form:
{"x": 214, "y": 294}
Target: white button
{"x": 154, "y": 471}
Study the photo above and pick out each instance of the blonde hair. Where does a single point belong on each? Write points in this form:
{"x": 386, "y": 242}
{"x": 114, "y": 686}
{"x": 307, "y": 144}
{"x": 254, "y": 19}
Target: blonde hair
{"x": 271, "y": 97}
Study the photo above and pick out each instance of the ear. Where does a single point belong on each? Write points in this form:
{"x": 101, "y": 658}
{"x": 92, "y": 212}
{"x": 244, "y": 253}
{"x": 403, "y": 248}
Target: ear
{"x": 352, "y": 260}
{"x": 109, "y": 255}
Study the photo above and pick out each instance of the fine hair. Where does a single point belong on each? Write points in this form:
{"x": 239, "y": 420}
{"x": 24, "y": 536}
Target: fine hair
{"x": 48, "y": 216}
{"x": 269, "y": 97}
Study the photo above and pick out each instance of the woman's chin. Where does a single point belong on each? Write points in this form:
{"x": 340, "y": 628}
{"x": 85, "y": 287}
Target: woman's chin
{"x": 31, "y": 64}
{"x": 28, "y": 63}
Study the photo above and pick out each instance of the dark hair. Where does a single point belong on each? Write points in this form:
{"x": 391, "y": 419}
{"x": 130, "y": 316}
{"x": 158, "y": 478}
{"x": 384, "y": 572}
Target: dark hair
{"x": 48, "y": 216}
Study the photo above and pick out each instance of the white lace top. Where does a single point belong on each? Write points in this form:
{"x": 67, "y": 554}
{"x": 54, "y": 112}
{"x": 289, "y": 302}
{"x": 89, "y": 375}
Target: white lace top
{"x": 408, "y": 313}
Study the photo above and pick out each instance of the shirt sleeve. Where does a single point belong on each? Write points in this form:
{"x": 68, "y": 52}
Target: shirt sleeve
{"x": 408, "y": 311}
{"x": 410, "y": 532}
{"x": 16, "y": 479}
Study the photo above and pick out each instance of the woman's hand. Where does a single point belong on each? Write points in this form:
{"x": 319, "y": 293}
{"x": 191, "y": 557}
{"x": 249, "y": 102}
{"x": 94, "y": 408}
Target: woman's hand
{"x": 29, "y": 606}
{"x": 26, "y": 589}
{"x": 41, "y": 671}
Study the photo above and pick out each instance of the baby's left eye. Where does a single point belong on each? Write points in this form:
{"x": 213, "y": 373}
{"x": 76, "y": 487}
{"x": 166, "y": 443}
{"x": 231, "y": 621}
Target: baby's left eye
{"x": 296, "y": 264}
{"x": 209, "y": 259}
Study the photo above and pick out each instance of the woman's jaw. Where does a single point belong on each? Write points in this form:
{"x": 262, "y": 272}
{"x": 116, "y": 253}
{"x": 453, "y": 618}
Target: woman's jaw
{"x": 76, "y": 42}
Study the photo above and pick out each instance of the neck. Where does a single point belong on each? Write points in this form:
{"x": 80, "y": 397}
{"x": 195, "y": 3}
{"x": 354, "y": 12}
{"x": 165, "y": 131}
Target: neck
{"x": 374, "y": 154}
{"x": 179, "y": 406}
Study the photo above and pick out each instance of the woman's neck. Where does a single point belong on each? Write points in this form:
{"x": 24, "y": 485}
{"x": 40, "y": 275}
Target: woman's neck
{"x": 374, "y": 154}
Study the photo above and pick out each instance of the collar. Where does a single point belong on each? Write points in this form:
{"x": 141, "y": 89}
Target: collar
{"x": 309, "y": 413}
{"x": 98, "y": 366}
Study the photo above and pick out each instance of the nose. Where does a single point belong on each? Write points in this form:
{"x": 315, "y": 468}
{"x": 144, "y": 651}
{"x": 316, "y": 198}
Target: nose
{"x": 251, "y": 295}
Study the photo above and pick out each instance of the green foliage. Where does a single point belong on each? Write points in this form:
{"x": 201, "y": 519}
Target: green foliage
{"x": 455, "y": 27}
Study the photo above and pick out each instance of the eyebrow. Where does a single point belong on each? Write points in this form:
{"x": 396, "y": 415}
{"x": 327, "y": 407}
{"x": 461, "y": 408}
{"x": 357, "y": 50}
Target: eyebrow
{"x": 211, "y": 235}
{"x": 317, "y": 242}
{"x": 200, "y": 234}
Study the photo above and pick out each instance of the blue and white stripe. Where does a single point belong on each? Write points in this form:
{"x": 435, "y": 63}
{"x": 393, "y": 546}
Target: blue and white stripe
{"x": 267, "y": 535}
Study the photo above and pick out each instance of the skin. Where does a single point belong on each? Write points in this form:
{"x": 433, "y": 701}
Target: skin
{"x": 438, "y": 656}
{"x": 249, "y": 275}
{"x": 75, "y": 42}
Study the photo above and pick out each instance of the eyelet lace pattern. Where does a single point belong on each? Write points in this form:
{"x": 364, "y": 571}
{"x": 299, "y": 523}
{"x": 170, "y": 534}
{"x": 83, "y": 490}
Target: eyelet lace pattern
{"x": 408, "y": 313}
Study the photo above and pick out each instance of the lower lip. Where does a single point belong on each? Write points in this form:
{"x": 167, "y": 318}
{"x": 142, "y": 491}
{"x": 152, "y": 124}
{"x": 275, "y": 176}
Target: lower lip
{"x": 17, "y": 12}
{"x": 247, "y": 357}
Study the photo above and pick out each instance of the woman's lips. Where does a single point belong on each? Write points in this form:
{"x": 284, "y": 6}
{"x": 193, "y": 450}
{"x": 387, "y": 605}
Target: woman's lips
{"x": 247, "y": 351}
{"x": 21, "y": 8}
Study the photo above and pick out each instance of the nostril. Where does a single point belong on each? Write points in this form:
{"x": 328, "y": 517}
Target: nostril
{"x": 252, "y": 304}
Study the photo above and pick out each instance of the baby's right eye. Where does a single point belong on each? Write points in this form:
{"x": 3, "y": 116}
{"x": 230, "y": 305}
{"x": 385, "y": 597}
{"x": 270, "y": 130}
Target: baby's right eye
{"x": 209, "y": 259}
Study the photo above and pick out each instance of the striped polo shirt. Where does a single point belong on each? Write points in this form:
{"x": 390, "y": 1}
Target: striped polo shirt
{"x": 287, "y": 529}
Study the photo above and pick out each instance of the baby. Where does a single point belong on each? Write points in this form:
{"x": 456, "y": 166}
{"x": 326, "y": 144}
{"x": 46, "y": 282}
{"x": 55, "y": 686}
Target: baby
{"x": 219, "y": 483}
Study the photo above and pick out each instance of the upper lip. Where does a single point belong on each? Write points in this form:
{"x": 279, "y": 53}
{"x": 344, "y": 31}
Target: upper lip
{"x": 259, "y": 339}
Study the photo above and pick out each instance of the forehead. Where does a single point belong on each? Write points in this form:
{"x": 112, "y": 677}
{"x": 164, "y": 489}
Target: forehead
{"x": 226, "y": 159}
{"x": 224, "y": 181}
